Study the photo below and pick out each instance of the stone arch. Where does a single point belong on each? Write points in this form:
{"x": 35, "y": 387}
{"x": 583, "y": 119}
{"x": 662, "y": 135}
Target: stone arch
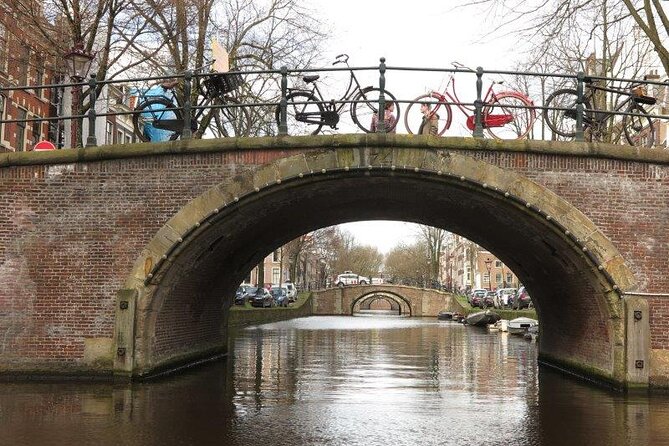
{"x": 403, "y": 303}
{"x": 573, "y": 271}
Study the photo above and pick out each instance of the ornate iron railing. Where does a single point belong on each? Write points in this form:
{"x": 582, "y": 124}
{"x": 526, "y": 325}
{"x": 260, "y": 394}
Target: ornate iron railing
{"x": 281, "y": 96}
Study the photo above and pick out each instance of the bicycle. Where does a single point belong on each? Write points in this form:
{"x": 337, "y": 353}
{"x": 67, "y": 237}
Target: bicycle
{"x": 160, "y": 117}
{"x": 600, "y": 125}
{"x": 308, "y": 112}
{"x": 505, "y": 115}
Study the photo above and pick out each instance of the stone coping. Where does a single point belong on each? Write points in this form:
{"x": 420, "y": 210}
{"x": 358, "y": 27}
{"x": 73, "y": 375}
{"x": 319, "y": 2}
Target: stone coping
{"x": 193, "y": 146}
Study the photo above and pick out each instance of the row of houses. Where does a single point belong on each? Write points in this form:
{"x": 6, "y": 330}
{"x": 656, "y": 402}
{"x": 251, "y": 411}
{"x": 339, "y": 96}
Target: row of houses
{"x": 466, "y": 265}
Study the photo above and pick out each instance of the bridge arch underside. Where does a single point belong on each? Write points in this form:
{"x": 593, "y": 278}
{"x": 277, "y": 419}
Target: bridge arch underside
{"x": 392, "y": 301}
{"x": 183, "y": 304}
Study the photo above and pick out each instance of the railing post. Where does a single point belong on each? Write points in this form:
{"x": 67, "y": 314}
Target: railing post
{"x": 283, "y": 103}
{"x": 478, "y": 104}
{"x": 381, "y": 126}
{"x": 579, "y": 106}
{"x": 92, "y": 141}
{"x": 187, "y": 132}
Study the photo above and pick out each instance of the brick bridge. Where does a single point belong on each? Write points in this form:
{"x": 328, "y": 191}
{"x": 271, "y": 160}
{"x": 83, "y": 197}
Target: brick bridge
{"x": 123, "y": 260}
{"x": 406, "y": 300}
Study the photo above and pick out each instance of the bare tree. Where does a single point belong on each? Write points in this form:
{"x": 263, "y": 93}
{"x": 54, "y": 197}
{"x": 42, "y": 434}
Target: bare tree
{"x": 434, "y": 240}
{"x": 257, "y": 34}
{"x": 567, "y": 28}
{"x": 408, "y": 263}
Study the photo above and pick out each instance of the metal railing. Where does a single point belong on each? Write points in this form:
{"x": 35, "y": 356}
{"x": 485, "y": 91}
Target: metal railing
{"x": 280, "y": 102}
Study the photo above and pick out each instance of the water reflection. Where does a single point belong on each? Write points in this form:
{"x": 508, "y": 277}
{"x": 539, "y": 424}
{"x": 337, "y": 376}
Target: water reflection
{"x": 343, "y": 381}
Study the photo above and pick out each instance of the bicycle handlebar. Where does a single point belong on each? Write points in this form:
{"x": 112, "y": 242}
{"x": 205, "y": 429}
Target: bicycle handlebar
{"x": 344, "y": 58}
{"x": 457, "y": 64}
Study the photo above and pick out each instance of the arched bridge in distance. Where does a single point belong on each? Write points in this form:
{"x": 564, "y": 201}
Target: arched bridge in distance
{"x": 406, "y": 300}
{"x": 123, "y": 260}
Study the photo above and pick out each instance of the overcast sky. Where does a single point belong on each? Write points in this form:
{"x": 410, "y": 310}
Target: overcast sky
{"x": 422, "y": 33}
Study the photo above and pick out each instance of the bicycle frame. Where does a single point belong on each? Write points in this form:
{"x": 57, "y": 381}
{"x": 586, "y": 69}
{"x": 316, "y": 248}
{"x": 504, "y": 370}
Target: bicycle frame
{"x": 599, "y": 117}
{"x": 333, "y": 108}
{"x": 176, "y": 125}
{"x": 453, "y": 99}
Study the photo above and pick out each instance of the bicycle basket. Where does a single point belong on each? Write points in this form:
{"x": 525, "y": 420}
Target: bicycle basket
{"x": 231, "y": 82}
{"x": 220, "y": 84}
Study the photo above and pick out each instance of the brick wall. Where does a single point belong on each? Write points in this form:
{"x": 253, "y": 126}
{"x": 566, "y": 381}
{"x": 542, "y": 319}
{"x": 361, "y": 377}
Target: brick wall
{"x": 69, "y": 235}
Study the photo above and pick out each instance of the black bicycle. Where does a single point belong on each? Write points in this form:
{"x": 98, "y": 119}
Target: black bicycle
{"x": 308, "y": 112}
{"x": 601, "y": 125}
{"x": 159, "y": 115}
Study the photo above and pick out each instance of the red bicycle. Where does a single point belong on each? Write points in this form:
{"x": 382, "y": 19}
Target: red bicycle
{"x": 505, "y": 115}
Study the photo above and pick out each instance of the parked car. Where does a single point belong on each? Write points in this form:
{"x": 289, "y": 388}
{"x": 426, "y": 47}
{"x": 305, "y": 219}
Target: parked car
{"x": 280, "y": 296}
{"x": 477, "y": 298}
{"x": 503, "y": 296}
{"x": 350, "y": 278}
{"x": 489, "y": 299}
{"x": 470, "y": 296}
{"x": 262, "y": 298}
{"x": 243, "y": 292}
{"x": 522, "y": 299}
{"x": 291, "y": 290}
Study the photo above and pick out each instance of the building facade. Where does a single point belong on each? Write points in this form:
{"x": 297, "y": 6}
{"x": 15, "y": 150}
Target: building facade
{"x": 466, "y": 265}
{"x": 24, "y": 61}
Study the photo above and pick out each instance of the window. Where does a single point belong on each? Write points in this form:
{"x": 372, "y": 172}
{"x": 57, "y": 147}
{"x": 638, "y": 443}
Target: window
{"x": 39, "y": 72}
{"x": 24, "y": 61}
{"x": 119, "y": 137}
{"x": 21, "y": 131}
{"x": 498, "y": 263}
{"x": 276, "y": 276}
{"x": 498, "y": 278}
{"x": 2, "y": 115}
{"x": 486, "y": 278}
{"x": 275, "y": 256}
{"x": 37, "y": 131}
{"x": 3, "y": 47}
{"x": 109, "y": 134}
{"x": 509, "y": 278}
{"x": 128, "y": 139}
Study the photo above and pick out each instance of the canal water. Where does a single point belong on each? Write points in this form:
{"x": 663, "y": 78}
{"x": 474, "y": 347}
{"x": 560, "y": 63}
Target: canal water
{"x": 368, "y": 380}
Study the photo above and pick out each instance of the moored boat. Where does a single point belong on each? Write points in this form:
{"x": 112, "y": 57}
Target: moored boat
{"x": 521, "y": 324}
{"x": 445, "y": 316}
{"x": 482, "y": 318}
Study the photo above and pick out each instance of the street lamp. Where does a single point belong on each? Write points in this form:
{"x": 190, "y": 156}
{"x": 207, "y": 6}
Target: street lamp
{"x": 78, "y": 63}
{"x": 488, "y": 264}
{"x": 503, "y": 276}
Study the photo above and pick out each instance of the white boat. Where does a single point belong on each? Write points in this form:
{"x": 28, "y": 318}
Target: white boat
{"x": 521, "y": 324}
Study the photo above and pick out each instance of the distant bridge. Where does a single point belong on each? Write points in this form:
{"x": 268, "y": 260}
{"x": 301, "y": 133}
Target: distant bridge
{"x": 406, "y": 300}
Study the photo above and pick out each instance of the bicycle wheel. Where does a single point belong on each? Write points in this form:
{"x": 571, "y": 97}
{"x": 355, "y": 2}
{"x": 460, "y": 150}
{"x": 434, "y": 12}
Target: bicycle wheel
{"x": 232, "y": 121}
{"x": 366, "y": 103}
{"x": 563, "y": 122}
{"x": 413, "y": 117}
{"x": 638, "y": 128}
{"x": 153, "y": 116}
{"x": 304, "y": 114}
{"x": 506, "y": 118}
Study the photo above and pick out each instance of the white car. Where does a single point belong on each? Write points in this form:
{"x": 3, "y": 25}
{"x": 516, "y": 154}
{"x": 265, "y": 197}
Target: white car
{"x": 502, "y": 297}
{"x": 291, "y": 291}
{"x": 349, "y": 278}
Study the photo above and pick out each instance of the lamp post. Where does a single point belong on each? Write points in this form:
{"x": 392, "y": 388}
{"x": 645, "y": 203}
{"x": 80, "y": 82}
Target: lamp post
{"x": 503, "y": 276}
{"x": 488, "y": 264}
{"x": 78, "y": 63}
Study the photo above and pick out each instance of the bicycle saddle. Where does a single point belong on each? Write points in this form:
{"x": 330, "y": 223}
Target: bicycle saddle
{"x": 311, "y": 78}
{"x": 168, "y": 85}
